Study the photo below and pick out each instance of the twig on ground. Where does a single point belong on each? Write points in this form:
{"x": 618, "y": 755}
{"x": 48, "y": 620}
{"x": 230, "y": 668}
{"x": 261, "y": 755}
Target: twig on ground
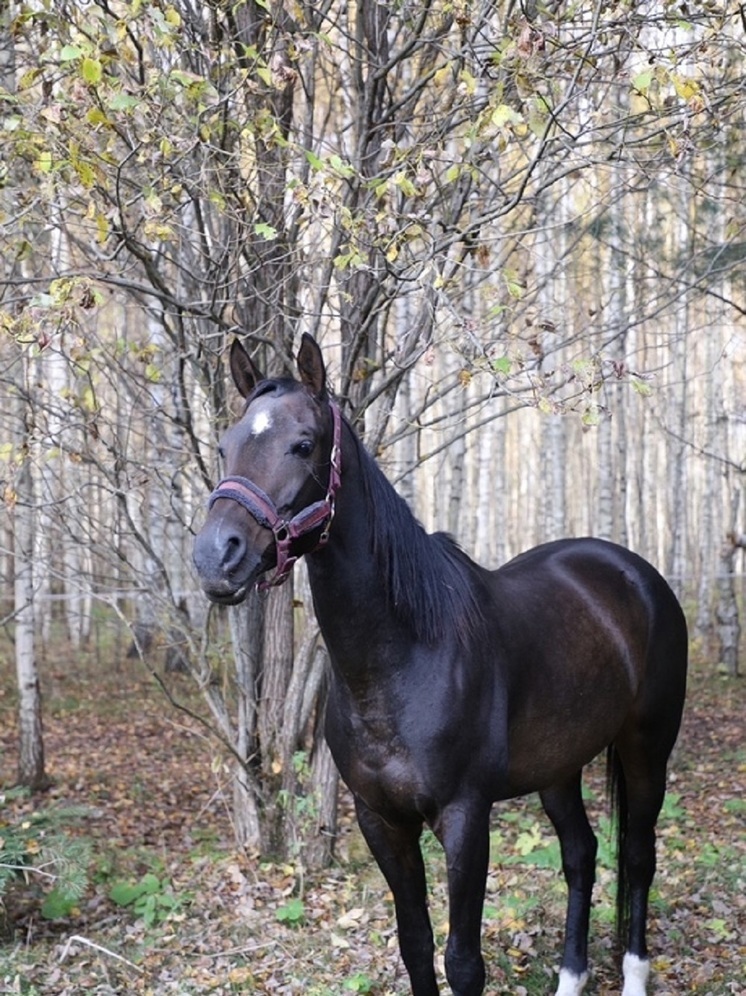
{"x": 76, "y": 938}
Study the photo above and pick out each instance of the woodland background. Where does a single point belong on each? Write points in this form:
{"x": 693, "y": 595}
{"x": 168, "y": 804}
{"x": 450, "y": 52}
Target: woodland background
{"x": 518, "y": 232}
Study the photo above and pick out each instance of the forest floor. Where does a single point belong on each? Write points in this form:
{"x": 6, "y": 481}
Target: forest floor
{"x": 211, "y": 920}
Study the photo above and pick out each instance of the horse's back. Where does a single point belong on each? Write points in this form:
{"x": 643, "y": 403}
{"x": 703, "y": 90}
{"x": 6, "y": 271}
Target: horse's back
{"x": 554, "y": 578}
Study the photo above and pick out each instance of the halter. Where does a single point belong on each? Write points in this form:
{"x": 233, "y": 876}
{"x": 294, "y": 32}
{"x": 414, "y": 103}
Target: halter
{"x": 261, "y": 507}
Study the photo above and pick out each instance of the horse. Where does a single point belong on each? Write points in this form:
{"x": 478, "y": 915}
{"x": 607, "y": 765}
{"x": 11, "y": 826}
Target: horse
{"x": 453, "y": 686}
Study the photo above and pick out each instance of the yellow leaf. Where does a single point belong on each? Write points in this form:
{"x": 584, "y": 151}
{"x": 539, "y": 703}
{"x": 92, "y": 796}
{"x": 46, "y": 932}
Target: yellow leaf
{"x": 442, "y": 75}
{"x": 468, "y": 82}
{"x": 504, "y": 115}
{"x": 102, "y": 228}
{"x": 43, "y": 162}
{"x": 88, "y": 400}
{"x": 85, "y": 173}
{"x": 240, "y": 976}
{"x": 685, "y": 87}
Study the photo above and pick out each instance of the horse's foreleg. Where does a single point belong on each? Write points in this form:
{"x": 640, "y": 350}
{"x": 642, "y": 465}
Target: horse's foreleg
{"x": 397, "y": 851}
{"x": 564, "y": 807}
{"x": 463, "y": 830}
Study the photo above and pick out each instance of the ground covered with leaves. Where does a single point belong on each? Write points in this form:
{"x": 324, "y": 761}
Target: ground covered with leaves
{"x": 171, "y": 906}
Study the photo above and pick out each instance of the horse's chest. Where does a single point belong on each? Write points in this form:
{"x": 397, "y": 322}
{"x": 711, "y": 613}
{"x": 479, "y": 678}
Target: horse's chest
{"x": 381, "y": 767}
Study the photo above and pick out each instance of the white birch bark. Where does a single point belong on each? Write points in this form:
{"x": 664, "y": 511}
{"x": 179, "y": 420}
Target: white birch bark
{"x": 555, "y": 312}
{"x": 728, "y": 622}
{"x": 677, "y": 411}
{"x": 31, "y": 767}
{"x": 31, "y": 770}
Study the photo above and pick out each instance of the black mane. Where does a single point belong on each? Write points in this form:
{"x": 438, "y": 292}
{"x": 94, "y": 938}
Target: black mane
{"x": 431, "y": 583}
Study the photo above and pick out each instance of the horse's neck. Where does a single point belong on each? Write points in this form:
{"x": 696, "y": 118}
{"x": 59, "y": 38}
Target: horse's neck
{"x": 349, "y": 591}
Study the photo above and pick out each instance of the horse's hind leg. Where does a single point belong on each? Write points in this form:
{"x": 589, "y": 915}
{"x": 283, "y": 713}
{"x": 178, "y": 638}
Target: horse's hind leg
{"x": 641, "y": 798}
{"x": 564, "y": 807}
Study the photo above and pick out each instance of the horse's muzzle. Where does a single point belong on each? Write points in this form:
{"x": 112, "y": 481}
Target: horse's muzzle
{"x": 228, "y": 567}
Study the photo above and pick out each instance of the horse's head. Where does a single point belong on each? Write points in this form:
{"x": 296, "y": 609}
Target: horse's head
{"x": 281, "y": 461}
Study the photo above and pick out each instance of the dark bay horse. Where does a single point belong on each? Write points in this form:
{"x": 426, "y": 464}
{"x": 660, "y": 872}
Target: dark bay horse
{"x": 454, "y": 686}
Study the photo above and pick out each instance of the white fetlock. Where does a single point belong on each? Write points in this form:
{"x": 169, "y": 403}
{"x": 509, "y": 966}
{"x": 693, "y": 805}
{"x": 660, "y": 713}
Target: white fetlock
{"x": 636, "y": 971}
{"x": 571, "y": 984}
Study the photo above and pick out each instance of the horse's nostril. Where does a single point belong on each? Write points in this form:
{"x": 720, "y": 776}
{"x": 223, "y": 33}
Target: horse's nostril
{"x": 233, "y": 553}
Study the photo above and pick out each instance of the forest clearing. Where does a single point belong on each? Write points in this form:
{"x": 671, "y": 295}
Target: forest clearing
{"x": 518, "y": 232}
{"x": 154, "y": 792}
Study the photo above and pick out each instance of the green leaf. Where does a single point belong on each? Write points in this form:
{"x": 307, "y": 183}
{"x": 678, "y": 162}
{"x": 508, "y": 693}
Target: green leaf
{"x": 265, "y": 74}
{"x": 359, "y": 983}
{"x": 502, "y": 365}
{"x": 313, "y": 160}
{"x": 150, "y": 884}
{"x": 528, "y": 840}
{"x": 267, "y": 232}
{"x": 292, "y": 913}
{"x": 125, "y": 893}
{"x": 403, "y": 182}
{"x": 642, "y": 81}
{"x": 91, "y": 70}
{"x": 122, "y": 102}
{"x": 737, "y": 806}
{"x": 548, "y": 856}
{"x": 70, "y": 52}
{"x": 341, "y": 167}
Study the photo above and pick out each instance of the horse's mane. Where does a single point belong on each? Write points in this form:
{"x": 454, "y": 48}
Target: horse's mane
{"x": 432, "y": 585}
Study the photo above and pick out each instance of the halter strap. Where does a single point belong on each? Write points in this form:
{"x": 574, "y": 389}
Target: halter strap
{"x": 261, "y": 507}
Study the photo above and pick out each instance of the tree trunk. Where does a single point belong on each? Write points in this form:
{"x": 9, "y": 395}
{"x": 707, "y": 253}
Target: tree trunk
{"x": 726, "y": 615}
{"x": 277, "y": 743}
{"x": 245, "y": 626}
{"x": 676, "y": 567}
{"x": 31, "y": 771}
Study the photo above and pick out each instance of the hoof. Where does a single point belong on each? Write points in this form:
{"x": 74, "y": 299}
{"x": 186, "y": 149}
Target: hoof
{"x": 571, "y": 984}
{"x": 635, "y": 971}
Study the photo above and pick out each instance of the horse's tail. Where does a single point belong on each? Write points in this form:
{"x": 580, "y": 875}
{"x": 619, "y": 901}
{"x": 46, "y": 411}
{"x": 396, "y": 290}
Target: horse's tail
{"x": 616, "y": 788}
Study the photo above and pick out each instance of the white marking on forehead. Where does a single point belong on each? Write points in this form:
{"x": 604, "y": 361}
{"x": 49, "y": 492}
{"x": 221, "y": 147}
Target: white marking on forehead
{"x": 261, "y": 423}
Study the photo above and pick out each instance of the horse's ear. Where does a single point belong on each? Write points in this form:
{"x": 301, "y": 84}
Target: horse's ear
{"x": 311, "y": 366}
{"x": 246, "y": 374}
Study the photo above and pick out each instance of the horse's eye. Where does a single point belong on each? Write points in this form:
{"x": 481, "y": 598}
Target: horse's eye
{"x": 304, "y": 448}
